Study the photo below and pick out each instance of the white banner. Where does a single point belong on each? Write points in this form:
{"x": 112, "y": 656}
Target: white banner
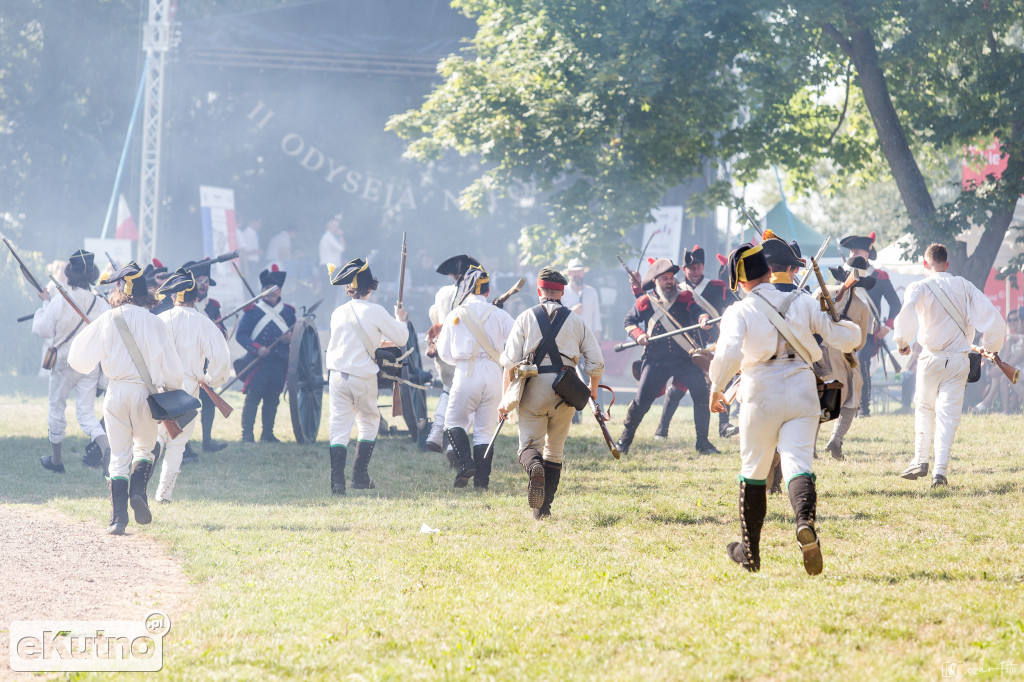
{"x": 663, "y": 236}
{"x": 217, "y": 207}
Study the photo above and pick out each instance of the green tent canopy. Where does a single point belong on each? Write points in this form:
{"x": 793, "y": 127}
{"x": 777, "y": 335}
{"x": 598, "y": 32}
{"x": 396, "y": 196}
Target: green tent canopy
{"x": 778, "y": 222}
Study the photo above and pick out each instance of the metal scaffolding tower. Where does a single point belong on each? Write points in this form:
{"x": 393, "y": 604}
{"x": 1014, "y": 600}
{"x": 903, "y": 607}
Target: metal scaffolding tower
{"x": 158, "y": 38}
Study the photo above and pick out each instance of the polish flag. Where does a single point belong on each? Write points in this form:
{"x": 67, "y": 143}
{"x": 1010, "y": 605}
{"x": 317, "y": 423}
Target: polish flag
{"x": 125, "y": 223}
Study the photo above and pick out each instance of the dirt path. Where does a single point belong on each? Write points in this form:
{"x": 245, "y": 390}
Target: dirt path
{"x": 53, "y": 567}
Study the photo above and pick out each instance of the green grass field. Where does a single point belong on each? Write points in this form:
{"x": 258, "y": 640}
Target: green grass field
{"x": 627, "y": 581}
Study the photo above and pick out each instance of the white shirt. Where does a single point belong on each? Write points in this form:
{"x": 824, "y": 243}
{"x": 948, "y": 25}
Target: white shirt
{"x": 748, "y": 337}
{"x": 101, "y": 342}
{"x": 197, "y": 341}
{"x": 457, "y": 343}
{"x": 444, "y": 303}
{"x": 923, "y": 316}
{"x": 575, "y": 340}
{"x": 591, "y": 310}
{"x": 55, "y": 320}
{"x": 279, "y": 247}
{"x": 249, "y": 243}
{"x": 331, "y": 249}
{"x": 346, "y": 352}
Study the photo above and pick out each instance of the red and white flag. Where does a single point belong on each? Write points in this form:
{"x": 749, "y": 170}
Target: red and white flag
{"x": 126, "y": 228}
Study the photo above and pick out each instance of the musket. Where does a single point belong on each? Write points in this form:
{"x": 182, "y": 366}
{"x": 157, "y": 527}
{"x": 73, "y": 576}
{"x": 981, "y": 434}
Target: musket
{"x": 1011, "y": 372}
{"x": 751, "y": 219}
{"x": 245, "y": 305}
{"x": 223, "y": 258}
{"x": 24, "y": 268}
{"x": 602, "y": 421}
{"x": 245, "y": 370}
{"x": 489, "y": 453}
{"x": 26, "y": 318}
{"x": 244, "y": 283}
{"x": 633, "y": 344}
{"x": 218, "y": 402}
{"x": 396, "y": 389}
{"x": 111, "y": 261}
{"x": 635, "y": 278}
{"x": 516, "y": 288}
{"x": 172, "y": 426}
{"x": 827, "y": 298}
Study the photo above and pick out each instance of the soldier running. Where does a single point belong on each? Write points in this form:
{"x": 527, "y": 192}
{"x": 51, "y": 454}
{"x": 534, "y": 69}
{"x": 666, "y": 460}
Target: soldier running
{"x": 544, "y": 418}
{"x": 778, "y": 396}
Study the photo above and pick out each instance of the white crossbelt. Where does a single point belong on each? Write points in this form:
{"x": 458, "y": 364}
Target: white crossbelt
{"x": 779, "y": 322}
{"x": 269, "y": 315}
{"x": 349, "y": 313}
{"x": 951, "y": 309}
{"x": 667, "y": 322}
{"x": 698, "y": 292}
{"x": 475, "y": 327}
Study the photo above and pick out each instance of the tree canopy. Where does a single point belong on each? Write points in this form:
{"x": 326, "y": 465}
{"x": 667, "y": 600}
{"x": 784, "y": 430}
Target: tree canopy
{"x": 604, "y": 106}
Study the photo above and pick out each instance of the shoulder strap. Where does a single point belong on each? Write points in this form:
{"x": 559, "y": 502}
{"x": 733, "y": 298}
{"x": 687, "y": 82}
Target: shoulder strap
{"x": 133, "y": 350}
{"x": 475, "y": 327}
{"x": 357, "y": 327}
{"x": 549, "y": 330}
{"x": 947, "y": 305}
{"x": 79, "y": 325}
{"x": 779, "y": 322}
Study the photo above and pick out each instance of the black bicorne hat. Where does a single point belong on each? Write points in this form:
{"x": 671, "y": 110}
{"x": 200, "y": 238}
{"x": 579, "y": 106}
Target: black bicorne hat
{"x": 747, "y": 262}
{"x": 354, "y": 274}
{"x": 181, "y": 285}
{"x": 779, "y": 252}
{"x": 692, "y": 256}
{"x": 81, "y": 260}
{"x": 200, "y": 268}
{"x": 272, "y": 277}
{"x": 858, "y": 242}
{"x": 128, "y": 278}
{"x": 457, "y": 265}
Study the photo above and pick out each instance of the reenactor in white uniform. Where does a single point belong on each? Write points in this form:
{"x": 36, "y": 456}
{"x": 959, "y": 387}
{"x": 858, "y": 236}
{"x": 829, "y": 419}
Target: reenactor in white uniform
{"x": 444, "y": 302}
{"x": 943, "y": 311}
{"x": 131, "y": 428}
{"x": 544, "y": 418}
{"x": 199, "y": 344}
{"x": 779, "y": 407}
{"x": 471, "y": 340}
{"x": 56, "y": 320}
{"x": 357, "y": 329}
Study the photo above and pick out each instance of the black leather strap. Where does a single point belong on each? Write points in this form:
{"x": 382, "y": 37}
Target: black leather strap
{"x": 549, "y": 330}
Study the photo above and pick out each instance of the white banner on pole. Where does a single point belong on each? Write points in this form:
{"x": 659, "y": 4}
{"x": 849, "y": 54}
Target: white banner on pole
{"x": 217, "y": 207}
{"x": 663, "y": 236}
{"x": 120, "y": 250}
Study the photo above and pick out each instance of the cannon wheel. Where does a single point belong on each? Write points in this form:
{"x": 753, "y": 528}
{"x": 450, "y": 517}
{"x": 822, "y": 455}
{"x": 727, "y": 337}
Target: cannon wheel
{"x": 305, "y": 380}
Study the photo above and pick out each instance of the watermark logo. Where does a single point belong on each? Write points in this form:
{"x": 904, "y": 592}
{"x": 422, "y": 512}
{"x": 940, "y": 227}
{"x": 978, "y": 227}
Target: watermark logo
{"x": 958, "y": 670}
{"x": 88, "y": 646}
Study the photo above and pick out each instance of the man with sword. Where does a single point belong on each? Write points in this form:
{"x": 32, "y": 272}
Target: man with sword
{"x": 471, "y": 340}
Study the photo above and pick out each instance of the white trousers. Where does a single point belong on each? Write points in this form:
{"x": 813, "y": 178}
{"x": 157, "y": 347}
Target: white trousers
{"x": 446, "y": 373}
{"x": 540, "y": 421}
{"x": 778, "y": 410}
{"x": 64, "y": 380}
{"x": 474, "y": 399}
{"x": 131, "y": 428}
{"x": 442, "y": 408}
{"x": 173, "y": 450}
{"x": 938, "y": 400}
{"x": 353, "y": 401}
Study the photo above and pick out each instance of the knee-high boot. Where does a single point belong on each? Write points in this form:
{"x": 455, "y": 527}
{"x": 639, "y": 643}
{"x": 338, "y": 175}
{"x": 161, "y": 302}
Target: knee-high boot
{"x": 753, "y": 506}
{"x": 464, "y": 453}
{"x": 137, "y": 484}
{"x": 532, "y": 461}
{"x": 249, "y": 407}
{"x": 865, "y": 391}
{"x": 338, "y": 455}
{"x": 804, "y": 498}
{"x": 668, "y": 410}
{"x": 360, "y": 476}
{"x": 842, "y": 426}
{"x": 629, "y": 426}
{"x": 552, "y": 475}
{"x": 118, "y": 506}
{"x": 482, "y": 464}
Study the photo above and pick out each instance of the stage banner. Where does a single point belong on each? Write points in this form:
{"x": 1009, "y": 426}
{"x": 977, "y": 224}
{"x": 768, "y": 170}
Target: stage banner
{"x": 217, "y": 206}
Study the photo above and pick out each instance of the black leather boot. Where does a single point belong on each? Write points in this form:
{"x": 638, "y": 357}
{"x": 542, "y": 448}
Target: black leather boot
{"x": 268, "y": 416}
{"x": 725, "y": 429}
{"x": 629, "y": 426}
{"x": 804, "y": 498}
{"x": 137, "y": 484}
{"x": 249, "y": 408}
{"x": 464, "y": 455}
{"x": 775, "y": 475}
{"x": 668, "y": 410}
{"x": 118, "y": 506}
{"x": 865, "y": 391}
{"x": 482, "y": 464}
{"x": 552, "y": 475}
{"x": 753, "y": 506}
{"x": 338, "y": 454}
{"x": 532, "y": 461}
{"x": 360, "y": 476}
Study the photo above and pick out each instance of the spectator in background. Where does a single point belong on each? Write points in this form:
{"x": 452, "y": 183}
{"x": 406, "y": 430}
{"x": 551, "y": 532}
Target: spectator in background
{"x": 582, "y": 298}
{"x": 249, "y": 246}
{"x": 332, "y": 251}
{"x": 279, "y": 248}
